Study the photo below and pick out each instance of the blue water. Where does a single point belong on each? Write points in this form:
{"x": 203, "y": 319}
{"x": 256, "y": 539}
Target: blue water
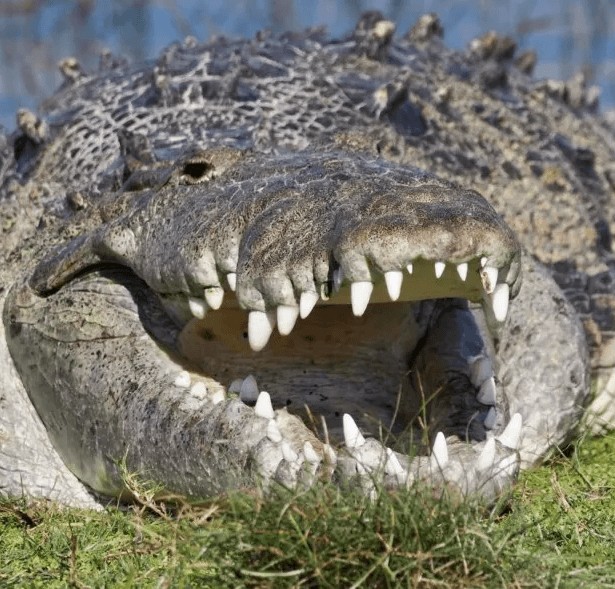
{"x": 568, "y": 35}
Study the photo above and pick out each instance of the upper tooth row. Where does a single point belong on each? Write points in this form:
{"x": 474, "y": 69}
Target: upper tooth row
{"x": 262, "y": 323}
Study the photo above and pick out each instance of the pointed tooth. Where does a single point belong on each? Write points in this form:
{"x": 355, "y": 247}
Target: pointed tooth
{"x": 182, "y": 379}
{"x": 462, "y": 270}
{"x": 511, "y": 436}
{"x": 490, "y": 418}
{"x": 483, "y": 261}
{"x": 263, "y": 407}
{"x": 352, "y": 435}
{"x": 214, "y": 297}
{"x": 286, "y": 318}
{"x": 499, "y": 301}
{"x": 273, "y": 432}
{"x": 248, "y": 393}
{"x": 394, "y": 279}
{"x": 439, "y": 453}
{"x": 307, "y": 302}
{"x": 288, "y": 453}
{"x": 260, "y": 327}
{"x": 439, "y": 267}
{"x": 231, "y": 278}
{"x": 486, "y": 394}
{"x": 217, "y": 397}
{"x": 310, "y": 454}
{"x": 359, "y": 296}
{"x": 487, "y": 455}
{"x": 480, "y": 370}
{"x": 393, "y": 466}
{"x": 410, "y": 268}
{"x": 198, "y": 307}
{"x": 330, "y": 455}
{"x": 199, "y": 390}
{"x": 490, "y": 278}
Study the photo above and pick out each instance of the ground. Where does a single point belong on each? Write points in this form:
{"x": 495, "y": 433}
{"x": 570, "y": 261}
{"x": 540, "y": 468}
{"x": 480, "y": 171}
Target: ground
{"x": 554, "y": 530}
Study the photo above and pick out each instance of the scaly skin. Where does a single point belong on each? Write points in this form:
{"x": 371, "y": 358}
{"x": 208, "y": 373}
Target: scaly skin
{"x": 160, "y": 220}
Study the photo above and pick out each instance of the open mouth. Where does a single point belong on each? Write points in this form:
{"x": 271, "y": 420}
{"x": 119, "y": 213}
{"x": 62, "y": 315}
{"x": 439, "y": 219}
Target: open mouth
{"x": 349, "y": 361}
{"x": 350, "y": 349}
{"x": 352, "y": 293}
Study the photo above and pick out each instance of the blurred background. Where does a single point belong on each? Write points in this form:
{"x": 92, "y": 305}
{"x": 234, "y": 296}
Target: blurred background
{"x": 568, "y": 35}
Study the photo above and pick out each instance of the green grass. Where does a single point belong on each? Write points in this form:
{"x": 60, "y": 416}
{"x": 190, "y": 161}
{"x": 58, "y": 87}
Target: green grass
{"x": 557, "y": 529}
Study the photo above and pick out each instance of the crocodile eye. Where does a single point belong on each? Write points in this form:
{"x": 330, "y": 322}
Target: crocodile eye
{"x": 197, "y": 171}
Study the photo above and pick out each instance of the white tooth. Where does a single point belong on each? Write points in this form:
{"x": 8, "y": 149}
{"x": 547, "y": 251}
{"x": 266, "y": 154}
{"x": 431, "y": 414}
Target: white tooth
{"x": 393, "y": 466}
{"x": 248, "y": 392}
{"x": 359, "y": 296}
{"x": 288, "y": 453}
{"x": 483, "y": 261}
{"x": 439, "y": 268}
{"x": 511, "y": 436}
{"x": 490, "y": 278}
{"x": 480, "y": 370}
{"x": 286, "y": 318}
{"x": 352, "y": 435}
{"x": 462, "y": 270}
{"x": 217, "y": 397}
{"x": 198, "y": 307}
{"x": 199, "y": 390}
{"x": 393, "y": 279}
{"x": 439, "y": 453}
{"x": 499, "y": 301}
{"x": 410, "y": 268}
{"x": 487, "y": 392}
{"x": 490, "y": 418}
{"x": 182, "y": 379}
{"x": 330, "y": 455}
{"x": 231, "y": 278}
{"x": 214, "y": 297}
{"x": 260, "y": 327}
{"x": 307, "y": 302}
{"x": 338, "y": 278}
{"x": 310, "y": 454}
{"x": 263, "y": 407}
{"x": 273, "y": 432}
{"x": 487, "y": 455}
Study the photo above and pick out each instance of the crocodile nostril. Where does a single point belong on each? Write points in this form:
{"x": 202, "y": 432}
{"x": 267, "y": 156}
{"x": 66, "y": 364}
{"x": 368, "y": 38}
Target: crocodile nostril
{"x": 195, "y": 171}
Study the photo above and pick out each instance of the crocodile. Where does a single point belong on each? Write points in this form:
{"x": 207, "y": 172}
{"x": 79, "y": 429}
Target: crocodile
{"x": 371, "y": 260}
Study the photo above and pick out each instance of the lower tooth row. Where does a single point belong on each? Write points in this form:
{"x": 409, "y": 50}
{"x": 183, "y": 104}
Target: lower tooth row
{"x": 510, "y": 438}
{"x": 353, "y": 438}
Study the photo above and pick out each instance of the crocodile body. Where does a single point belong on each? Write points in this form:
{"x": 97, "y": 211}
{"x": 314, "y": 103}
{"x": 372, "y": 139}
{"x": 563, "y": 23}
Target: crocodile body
{"x": 181, "y": 235}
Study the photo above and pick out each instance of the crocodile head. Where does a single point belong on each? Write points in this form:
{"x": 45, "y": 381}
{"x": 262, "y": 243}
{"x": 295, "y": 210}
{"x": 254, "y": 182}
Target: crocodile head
{"x": 261, "y": 287}
{"x": 352, "y": 290}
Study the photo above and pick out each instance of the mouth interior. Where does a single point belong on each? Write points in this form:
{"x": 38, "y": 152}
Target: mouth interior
{"x": 333, "y": 362}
